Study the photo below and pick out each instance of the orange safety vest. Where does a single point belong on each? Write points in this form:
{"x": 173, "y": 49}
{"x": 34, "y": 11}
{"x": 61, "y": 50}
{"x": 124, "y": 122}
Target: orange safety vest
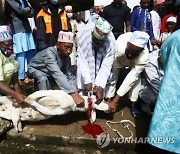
{"x": 47, "y": 20}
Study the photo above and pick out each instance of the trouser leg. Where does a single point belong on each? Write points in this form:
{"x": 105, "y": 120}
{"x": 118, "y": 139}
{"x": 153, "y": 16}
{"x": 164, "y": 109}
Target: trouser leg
{"x": 42, "y": 79}
{"x": 20, "y": 57}
{"x": 134, "y": 91}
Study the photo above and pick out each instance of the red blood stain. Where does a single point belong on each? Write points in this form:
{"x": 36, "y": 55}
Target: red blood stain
{"x": 92, "y": 129}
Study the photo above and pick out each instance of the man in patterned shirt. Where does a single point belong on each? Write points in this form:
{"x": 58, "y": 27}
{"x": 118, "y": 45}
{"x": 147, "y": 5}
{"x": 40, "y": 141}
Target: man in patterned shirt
{"x": 95, "y": 55}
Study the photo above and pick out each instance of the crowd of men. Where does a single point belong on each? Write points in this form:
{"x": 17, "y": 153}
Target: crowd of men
{"x": 117, "y": 51}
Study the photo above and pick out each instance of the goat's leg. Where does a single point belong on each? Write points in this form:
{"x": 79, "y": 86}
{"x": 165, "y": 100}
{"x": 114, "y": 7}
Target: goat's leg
{"x": 16, "y": 119}
{"x": 102, "y": 106}
{"x": 19, "y": 126}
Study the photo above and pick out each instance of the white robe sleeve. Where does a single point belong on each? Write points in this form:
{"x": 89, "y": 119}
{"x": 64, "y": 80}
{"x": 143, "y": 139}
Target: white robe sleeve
{"x": 133, "y": 75}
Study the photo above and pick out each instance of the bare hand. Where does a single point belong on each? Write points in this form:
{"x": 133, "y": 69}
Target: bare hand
{"x": 98, "y": 91}
{"x": 20, "y": 98}
{"x": 78, "y": 99}
{"x": 158, "y": 42}
{"x": 153, "y": 42}
{"x": 88, "y": 87}
{"x": 112, "y": 106}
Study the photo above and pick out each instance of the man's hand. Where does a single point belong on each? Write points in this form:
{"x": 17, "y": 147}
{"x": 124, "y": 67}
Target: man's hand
{"x": 78, "y": 99}
{"x": 20, "y": 98}
{"x": 113, "y": 103}
{"x": 153, "y": 42}
{"x": 158, "y": 42}
{"x": 98, "y": 91}
{"x": 88, "y": 87}
{"x": 112, "y": 106}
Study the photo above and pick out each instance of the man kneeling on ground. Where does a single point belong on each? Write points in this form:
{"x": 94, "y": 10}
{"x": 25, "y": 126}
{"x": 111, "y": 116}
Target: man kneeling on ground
{"x": 8, "y": 72}
{"x": 54, "y": 62}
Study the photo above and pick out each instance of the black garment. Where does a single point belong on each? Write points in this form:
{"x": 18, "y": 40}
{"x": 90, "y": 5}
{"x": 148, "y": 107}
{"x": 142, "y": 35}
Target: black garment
{"x": 44, "y": 39}
{"x": 117, "y": 15}
{"x": 55, "y": 25}
{"x": 19, "y": 15}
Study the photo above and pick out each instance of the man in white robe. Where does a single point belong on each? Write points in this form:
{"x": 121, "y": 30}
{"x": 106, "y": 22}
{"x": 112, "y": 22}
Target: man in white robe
{"x": 131, "y": 52}
{"x": 95, "y": 55}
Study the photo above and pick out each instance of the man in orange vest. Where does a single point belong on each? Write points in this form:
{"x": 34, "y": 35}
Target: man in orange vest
{"x": 50, "y": 20}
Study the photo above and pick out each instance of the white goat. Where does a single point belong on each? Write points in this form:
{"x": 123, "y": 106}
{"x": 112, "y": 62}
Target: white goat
{"x": 43, "y": 105}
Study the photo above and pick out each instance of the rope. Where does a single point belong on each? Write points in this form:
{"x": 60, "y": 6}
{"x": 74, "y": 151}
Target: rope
{"x": 126, "y": 126}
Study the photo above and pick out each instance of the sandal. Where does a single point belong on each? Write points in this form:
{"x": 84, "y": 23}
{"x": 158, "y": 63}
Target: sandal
{"x": 28, "y": 81}
{"x": 136, "y": 113}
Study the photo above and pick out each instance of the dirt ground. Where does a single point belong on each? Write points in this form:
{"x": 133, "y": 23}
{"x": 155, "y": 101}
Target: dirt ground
{"x": 67, "y": 129}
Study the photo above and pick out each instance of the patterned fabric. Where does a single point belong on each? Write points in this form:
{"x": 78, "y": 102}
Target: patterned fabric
{"x": 67, "y": 37}
{"x": 5, "y": 33}
{"x": 166, "y": 118}
{"x": 8, "y": 66}
{"x": 102, "y": 29}
{"x": 90, "y": 69}
{"x": 141, "y": 21}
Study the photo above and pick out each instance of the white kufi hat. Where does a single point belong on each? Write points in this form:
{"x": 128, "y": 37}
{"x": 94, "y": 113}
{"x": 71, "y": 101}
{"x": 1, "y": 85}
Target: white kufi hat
{"x": 139, "y": 39}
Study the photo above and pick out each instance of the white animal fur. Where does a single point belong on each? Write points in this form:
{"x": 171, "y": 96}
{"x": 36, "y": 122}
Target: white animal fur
{"x": 42, "y": 105}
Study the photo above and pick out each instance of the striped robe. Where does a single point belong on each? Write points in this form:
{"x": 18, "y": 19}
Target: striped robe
{"x": 90, "y": 69}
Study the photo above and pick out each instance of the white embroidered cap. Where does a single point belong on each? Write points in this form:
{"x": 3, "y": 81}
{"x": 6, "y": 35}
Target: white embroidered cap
{"x": 5, "y": 33}
{"x": 139, "y": 39}
{"x": 68, "y": 7}
{"x": 67, "y": 37}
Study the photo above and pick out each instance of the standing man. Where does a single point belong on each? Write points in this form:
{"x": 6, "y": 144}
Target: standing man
{"x": 118, "y": 15}
{"x": 95, "y": 50}
{"x": 131, "y": 52}
{"x": 23, "y": 41}
{"x": 54, "y": 62}
{"x": 141, "y": 20}
{"x": 50, "y": 21}
{"x": 156, "y": 19}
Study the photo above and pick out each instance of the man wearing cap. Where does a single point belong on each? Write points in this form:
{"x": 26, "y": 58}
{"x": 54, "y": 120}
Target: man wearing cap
{"x": 8, "y": 72}
{"x": 175, "y": 12}
{"x": 170, "y": 25}
{"x": 95, "y": 55}
{"x": 131, "y": 52}
{"x": 54, "y": 62}
{"x": 8, "y": 67}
